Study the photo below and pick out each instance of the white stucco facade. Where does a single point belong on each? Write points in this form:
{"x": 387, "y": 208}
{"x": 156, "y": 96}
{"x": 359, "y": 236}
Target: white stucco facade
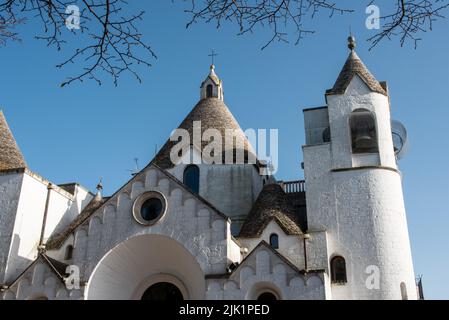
{"x": 232, "y": 233}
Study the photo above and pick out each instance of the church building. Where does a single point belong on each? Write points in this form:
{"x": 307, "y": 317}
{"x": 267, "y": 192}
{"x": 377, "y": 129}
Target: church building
{"x": 179, "y": 231}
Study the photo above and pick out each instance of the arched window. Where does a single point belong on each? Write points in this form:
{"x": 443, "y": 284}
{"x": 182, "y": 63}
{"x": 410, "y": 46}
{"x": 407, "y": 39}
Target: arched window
{"x": 192, "y": 178}
{"x": 274, "y": 241}
{"x": 338, "y": 270}
{"x": 68, "y": 252}
{"x": 267, "y": 296}
{"x": 209, "y": 91}
{"x": 404, "y": 291}
{"x": 163, "y": 291}
{"x": 38, "y": 297}
{"x": 363, "y": 132}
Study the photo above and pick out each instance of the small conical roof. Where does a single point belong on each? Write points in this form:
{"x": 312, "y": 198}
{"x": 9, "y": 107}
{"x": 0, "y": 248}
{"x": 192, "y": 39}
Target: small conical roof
{"x": 355, "y": 66}
{"x": 213, "y": 114}
{"x": 10, "y": 155}
{"x": 213, "y": 76}
{"x": 271, "y": 204}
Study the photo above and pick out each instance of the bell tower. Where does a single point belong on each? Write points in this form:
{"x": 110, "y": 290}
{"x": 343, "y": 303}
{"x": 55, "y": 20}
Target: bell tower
{"x": 354, "y": 188}
{"x": 212, "y": 86}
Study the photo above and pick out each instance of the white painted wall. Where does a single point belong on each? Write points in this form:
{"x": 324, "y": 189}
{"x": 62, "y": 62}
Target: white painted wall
{"x": 63, "y": 207}
{"x": 290, "y": 246}
{"x": 264, "y": 271}
{"x": 40, "y": 282}
{"x": 362, "y": 211}
{"x": 340, "y": 107}
{"x": 231, "y": 188}
{"x": 316, "y": 120}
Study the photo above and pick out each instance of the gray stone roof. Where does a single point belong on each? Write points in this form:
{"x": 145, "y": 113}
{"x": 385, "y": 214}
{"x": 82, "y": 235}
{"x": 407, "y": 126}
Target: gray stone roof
{"x": 213, "y": 114}
{"x": 352, "y": 67}
{"x": 272, "y": 204}
{"x": 10, "y": 155}
{"x": 59, "y": 268}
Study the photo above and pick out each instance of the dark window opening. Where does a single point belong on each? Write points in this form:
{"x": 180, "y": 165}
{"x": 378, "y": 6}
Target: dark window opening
{"x": 274, "y": 241}
{"x": 192, "y": 178}
{"x": 163, "y": 291}
{"x": 338, "y": 270}
{"x": 68, "y": 252}
{"x": 266, "y": 296}
{"x": 209, "y": 91}
{"x": 151, "y": 209}
{"x": 327, "y": 135}
{"x": 363, "y": 132}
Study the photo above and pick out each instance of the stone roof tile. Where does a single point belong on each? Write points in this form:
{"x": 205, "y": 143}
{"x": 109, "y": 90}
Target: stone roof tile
{"x": 10, "y": 155}
{"x": 213, "y": 114}
{"x": 272, "y": 204}
{"x": 355, "y": 66}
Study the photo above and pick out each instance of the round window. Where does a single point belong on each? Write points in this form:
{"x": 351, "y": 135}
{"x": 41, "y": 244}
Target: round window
{"x": 149, "y": 208}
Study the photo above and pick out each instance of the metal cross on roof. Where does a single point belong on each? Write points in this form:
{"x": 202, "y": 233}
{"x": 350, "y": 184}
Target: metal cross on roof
{"x": 213, "y": 55}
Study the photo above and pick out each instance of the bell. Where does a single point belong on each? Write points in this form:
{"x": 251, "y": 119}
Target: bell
{"x": 364, "y": 141}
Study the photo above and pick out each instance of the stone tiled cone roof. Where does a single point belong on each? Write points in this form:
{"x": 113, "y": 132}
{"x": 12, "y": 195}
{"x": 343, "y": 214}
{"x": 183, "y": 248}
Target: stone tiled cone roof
{"x": 10, "y": 155}
{"x": 272, "y": 204}
{"x": 213, "y": 113}
{"x": 352, "y": 67}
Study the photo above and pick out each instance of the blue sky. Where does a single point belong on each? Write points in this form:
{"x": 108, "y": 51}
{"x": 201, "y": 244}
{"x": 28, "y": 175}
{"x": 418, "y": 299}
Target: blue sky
{"x": 85, "y": 131}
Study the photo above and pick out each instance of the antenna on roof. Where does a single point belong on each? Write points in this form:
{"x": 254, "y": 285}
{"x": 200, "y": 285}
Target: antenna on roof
{"x": 135, "y": 171}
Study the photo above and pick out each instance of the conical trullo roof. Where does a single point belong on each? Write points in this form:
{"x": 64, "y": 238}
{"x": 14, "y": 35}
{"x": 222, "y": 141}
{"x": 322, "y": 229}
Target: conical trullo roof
{"x": 355, "y": 66}
{"x": 213, "y": 114}
{"x": 10, "y": 155}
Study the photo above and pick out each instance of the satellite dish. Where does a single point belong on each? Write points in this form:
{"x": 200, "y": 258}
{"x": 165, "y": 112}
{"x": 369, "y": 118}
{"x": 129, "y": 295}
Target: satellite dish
{"x": 400, "y": 141}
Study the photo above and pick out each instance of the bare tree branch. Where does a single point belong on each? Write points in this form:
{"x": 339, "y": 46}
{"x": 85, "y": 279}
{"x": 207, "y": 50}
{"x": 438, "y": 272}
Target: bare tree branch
{"x": 7, "y": 24}
{"x": 410, "y": 19}
{"x": 278, "y": 15}
{"x": 112, "y": 42}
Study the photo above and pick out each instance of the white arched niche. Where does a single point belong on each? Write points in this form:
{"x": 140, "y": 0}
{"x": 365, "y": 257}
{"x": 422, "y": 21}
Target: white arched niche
{"x": 134, "y": 265}
{"x": 263, "y": 287}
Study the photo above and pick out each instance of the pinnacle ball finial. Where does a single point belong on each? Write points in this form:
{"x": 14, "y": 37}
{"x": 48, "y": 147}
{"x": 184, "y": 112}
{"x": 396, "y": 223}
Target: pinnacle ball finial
{"x": 351, "y": 42}
{"x": 100, "y": 185}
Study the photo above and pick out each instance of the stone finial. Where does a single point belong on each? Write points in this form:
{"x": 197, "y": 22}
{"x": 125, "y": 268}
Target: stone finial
{"x": 100, "y": 185}
{"x": 351, "y": 43}
{"x": 99, "y": 188}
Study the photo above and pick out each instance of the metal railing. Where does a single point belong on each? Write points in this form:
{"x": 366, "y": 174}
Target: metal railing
{"x": 293, "y": 186}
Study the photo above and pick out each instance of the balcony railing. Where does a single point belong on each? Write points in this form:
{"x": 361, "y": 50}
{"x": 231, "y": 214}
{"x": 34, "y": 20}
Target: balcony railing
{"x": 293, "y": 186}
